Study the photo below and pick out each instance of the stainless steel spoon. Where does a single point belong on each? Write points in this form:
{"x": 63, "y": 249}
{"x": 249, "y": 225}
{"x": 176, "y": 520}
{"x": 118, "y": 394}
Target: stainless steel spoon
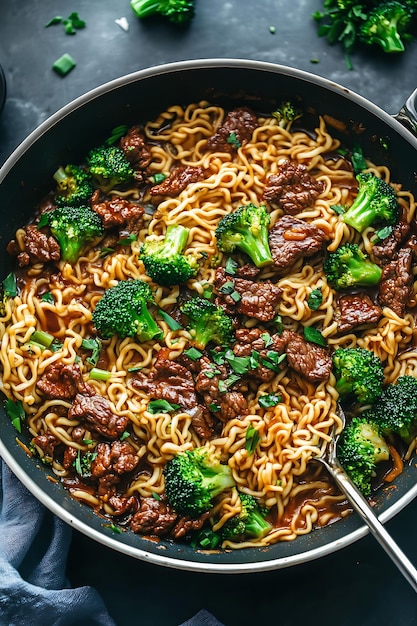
{"x": 361, "y": 505}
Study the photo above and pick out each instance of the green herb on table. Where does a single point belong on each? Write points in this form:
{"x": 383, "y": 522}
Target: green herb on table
{"x": 64, "y": 64}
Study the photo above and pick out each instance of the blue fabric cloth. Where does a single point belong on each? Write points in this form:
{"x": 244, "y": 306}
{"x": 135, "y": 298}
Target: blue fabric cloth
{"x": 34, "y": 547}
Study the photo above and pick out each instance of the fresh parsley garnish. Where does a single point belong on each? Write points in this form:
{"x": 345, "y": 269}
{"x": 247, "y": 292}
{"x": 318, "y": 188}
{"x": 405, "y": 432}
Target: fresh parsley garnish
{"x": 162, "y": 406}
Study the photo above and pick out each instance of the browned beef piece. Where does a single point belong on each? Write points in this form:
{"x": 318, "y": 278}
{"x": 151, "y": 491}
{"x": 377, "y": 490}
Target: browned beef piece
{"x": 249, "y": 340}
{"x": 96, "y": 411}
{"x": 308, "y": 359}
{"x": 116, "y": 458}
{"x": 238, "y": 126}
{"x": 177, "y": 181}
{"x": 230, "y": 404}
{"x": 355, "y": 310}
{"x": 257, "y": 299}
{"x": 396, "y": 282}
{"x": 47, "y": 443}
{"x": 117, "y": 212}
{"x": 203, "y": 422}
{"x": 154, "y": 517}
{"x": 63, "y": 382}
{"x": 123, "y": 505}
{"x": 137, "y": 152}
{"x": 293, "y": 188}
{"x": 387, "y": 249}
{"x": 187, "y": 525}
{"x": 169, "y": 380}
{"x": 291, "y": 238}
{"x": 70, "y": 454}
{"x": 248, "y": 271}
{"x": 39, "y": 247}
{"x": 412, "y": 244}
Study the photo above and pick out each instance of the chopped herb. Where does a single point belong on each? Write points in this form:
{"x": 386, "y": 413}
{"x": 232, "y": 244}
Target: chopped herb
{"x": 231, "y": 267}
{"x": 41, "y": 338}
{"x": 83, "y": 462}
{"x": 64, "y": 65}
{"x": 252, "y": 439}
{"x": 193, "y": 354}
{"x": 337, "y": 208}
{"x": 16, "y": 413}
{"x": 55, "y": 20}
{"x": 233, "y": 140}
{"x": 239, "y": 364}
{"x": 56, "y": 346}
{"x": 267, "y": 339}
{"x": 210, "y": 373}
{"x": 137, "y": 368}
{"x": 278, "y": 323}
{"x": 161, "y": 406}
{"x": 268, "y": 400}
{"x": 218, "y": 357}
{"x": 98, "y": 374}
{"x": 48, "y": 297}
{"x": 105, "y": 251}
{"x": 382, "y": 234}
{"x": 224, "y": 385}
{"x": 314, "y": 60}
{"x": 125, "y": 435}
{"x": 10, "y": 286}
{"x": 208, "y": 292}
{"x": 206, "y": 539}
{"x": 254, "y": 360}
{"x": 172, "y": 324}
{"x": 71, "y": 24}
{"x": 314, "y": 336}
{"x": 315, "y": 299}
{"x": 235, "y": 296}
{"x": 156, "y": 496}
{"x": 227, "y": 287}
{"x": 94, "y": 345}
{"x": 113, "y": 527}
{"x": 159, "y": 178}
{"x": 126, "y": 241}
{"x": 358, "y": 160}
{"x": 87, "y": 442}
{"x": 117, "y": 133}
{"x": 273, "y": 360}
{"x": 214, "y": 407}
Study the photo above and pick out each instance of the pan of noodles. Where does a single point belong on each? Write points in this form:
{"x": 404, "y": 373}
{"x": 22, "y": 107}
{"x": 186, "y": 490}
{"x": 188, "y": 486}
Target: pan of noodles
{"x": 199, "y": 261}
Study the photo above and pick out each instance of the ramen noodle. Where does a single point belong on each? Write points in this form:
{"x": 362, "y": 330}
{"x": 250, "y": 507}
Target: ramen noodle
{"x": 59, "y": 298}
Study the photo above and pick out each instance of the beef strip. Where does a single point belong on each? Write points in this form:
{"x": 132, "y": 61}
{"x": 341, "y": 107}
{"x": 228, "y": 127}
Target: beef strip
{"x": 40, "y": 247}
{"x": 307, "y": 358}
{"x": 356, "y": 310}
{"x": 248, "y": 271}
{"x": 230, "y": 404}
{"x": 154, "y": 517}
{"x": 257, "y": 299}
{"x": 293, "y": 188}
{"x": 179, "y": 178}
{"x": 63, "y": 382}
{"x": 112, "y": 461}
{"x": 117, "y": 212}
{"x": 238, "y": 125}
{"x": 291, "y": 238}
{"x": 123, "y": 505}
{"x": 187, "y": 525}
{"x": 396, "y": 282}
{"x": 47, "y": 442}
{"x": 137, "y": 152}
{"x": 249, "y": 340}
{"x": 385, "y": 251}
{"x": 96, "y": 412}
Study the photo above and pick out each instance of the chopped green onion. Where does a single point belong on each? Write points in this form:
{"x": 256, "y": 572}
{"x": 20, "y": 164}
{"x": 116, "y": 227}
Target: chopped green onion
{"x": 233, "y": 140}
{"x": 113, "y": 527}
{"x": 16, "y": 413}
{"x": 231, "y": 267}
{"x": 315, "y": 299}
{"x": 137, "y": 368}
{"x": 117, "y": 133}
{"x": 41, "y": 338}
{"x": 48, "y": 297}
{"x": 252, "y": 439}
{"x": 126, "y": 241}
{"x": 54, "y": 20}
{"x": 193, "y": 354}
{"x": 125, "y": 435}
{"x": 173, "y": 324}
{"x": 63, "y": 66}
{"x": 10, "y": 285}
{"x": 267, "y": 339}
{"x": 314, "y": 336}
{"x": 268, "y": 400}
{"x": 337, "y": 208}
{"x": 228, "y": 287}
{"x": 159, "y": 177}
{"x": 98, "y": 374}
{"x": 161, "y": 406}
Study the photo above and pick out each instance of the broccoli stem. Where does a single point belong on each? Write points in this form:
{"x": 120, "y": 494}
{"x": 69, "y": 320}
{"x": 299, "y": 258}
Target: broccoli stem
{"x": 150, "y": 329}
{"x": 256, "y": 525}
{"x": 142, "y": 8}
{"x": 360, "y": 215}
{"x": 256, "y": 247}
{"x": 175, "y": 239}
{"x": 364, "y": 272}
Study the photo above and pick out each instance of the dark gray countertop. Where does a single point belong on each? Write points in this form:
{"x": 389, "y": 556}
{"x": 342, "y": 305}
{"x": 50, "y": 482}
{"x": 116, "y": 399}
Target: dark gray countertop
{"x": 358, "y": 585}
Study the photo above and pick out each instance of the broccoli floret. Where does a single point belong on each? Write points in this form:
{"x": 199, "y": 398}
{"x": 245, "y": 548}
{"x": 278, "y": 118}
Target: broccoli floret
{"x": 360, "y": 447}
{"x": 207, "y": 322}
{"x": 286, "y": 114}
{"x": 74, "y": 228}
{"x": 395, "y": 411}
{"x": 164, "y": 261}
{"x": 386, "y": 26}
{"x": 358, "y": 372}
{"x": 375, "y": 204}
{"x": 123, "y": 311}
{"x": 177, "y": 11}
{"x": 74, "y": 186}
{"x": 250, "y": 522}
{"x": 247, "y": 230}
{"x": 109, "y": 167}
{"x": 193, "y": 478}
{"x": 348, "y": 267}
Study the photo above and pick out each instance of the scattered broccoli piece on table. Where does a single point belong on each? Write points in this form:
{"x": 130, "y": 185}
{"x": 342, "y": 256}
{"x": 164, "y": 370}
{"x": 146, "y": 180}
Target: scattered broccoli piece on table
{"x": 250, "y": 522}
{"x": 74, "y": 228}
{"x": 386, "y": 25}
{"x": 193, "y": 479}
{"x": 348, "y": 267}
{"x": 164, "y": 261}
{"x": 74, "y": 186}
{"x": 360, "y": 447}
{"x": 395, "y": 410}
{"x": 123, "y": 311}
{"x": 109, "y": 167}
{"x": 177, "y": 11}
{"x": 246, "y": 229}
{"x": 359, "y": 372}
{"x": 375, "y": 203}
{"x": 207, "y": 322}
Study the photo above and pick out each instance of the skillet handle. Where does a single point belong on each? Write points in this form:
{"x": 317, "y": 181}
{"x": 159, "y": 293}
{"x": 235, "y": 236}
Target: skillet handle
{"x": 364, "y": 509}
{"x": 407, "y": 116}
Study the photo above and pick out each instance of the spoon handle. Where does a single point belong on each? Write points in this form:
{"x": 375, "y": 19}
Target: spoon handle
{"x": 362, "y": 507}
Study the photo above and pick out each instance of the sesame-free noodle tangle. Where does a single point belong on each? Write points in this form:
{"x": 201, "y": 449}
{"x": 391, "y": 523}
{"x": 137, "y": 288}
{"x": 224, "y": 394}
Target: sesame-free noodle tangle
{"x": 58, "y": 298}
